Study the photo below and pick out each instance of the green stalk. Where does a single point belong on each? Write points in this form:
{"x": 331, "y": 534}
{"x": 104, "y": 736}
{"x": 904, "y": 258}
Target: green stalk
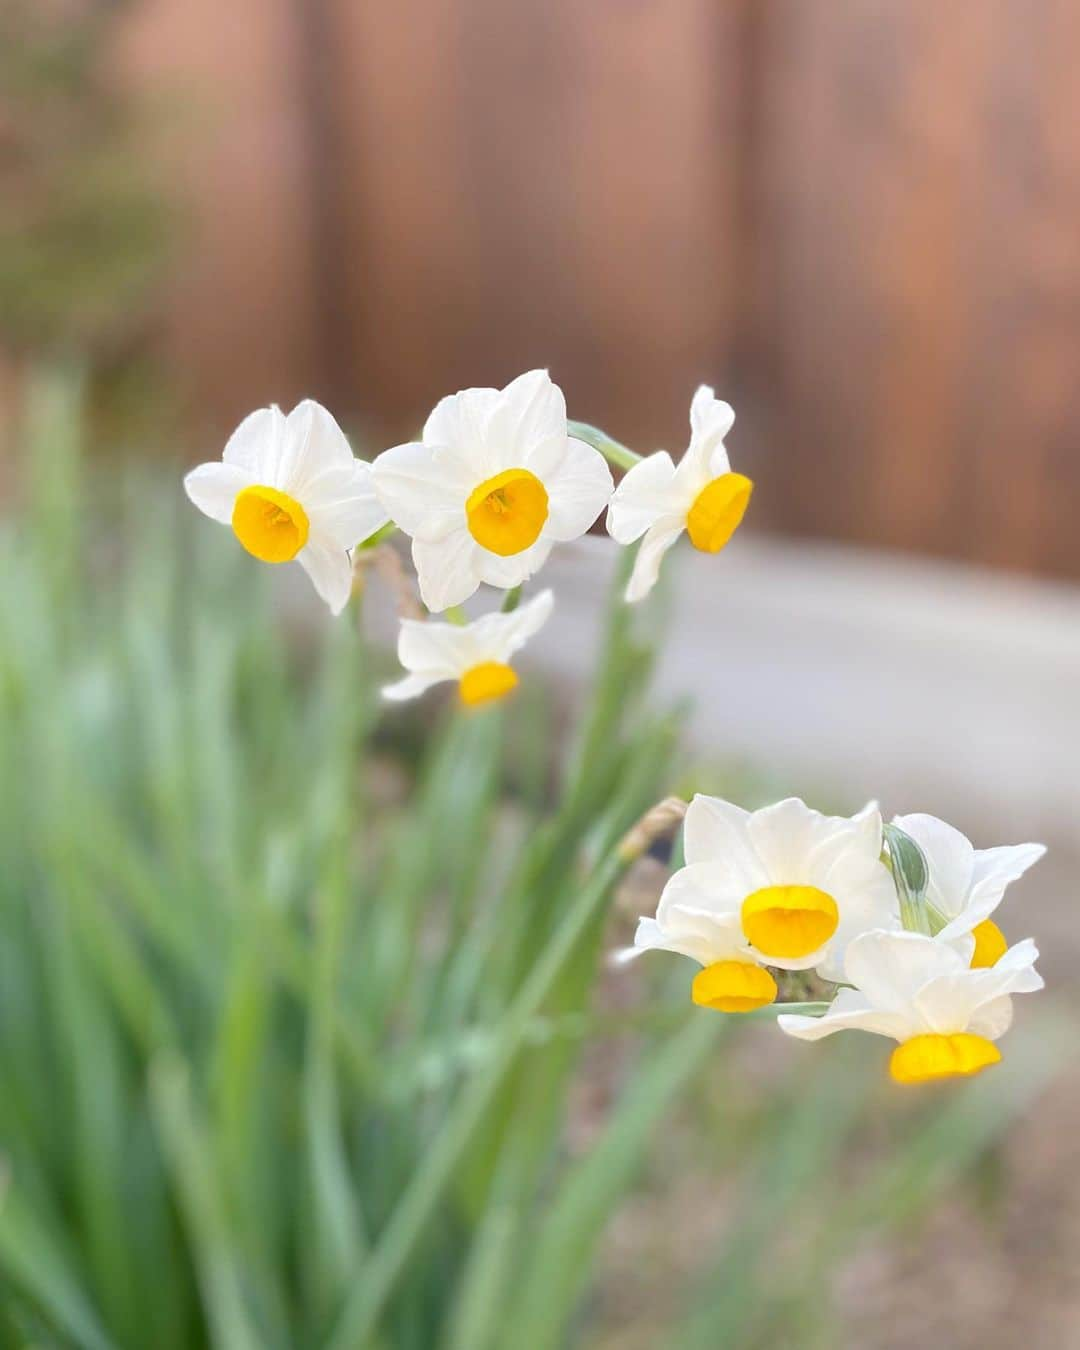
{"x": 374, "y": 540}
{"x": 613, "y": 451}
{"x": 378, "y": 1278}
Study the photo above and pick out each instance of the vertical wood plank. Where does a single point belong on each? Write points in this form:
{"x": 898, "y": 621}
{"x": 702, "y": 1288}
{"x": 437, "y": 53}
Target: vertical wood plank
{"x": 919, "y": 165}
{"x": 527, "y": 191}
{"x": 242, "y": 328}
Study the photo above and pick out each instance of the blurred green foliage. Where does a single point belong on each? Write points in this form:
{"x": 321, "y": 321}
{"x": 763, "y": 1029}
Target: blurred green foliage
{"x": 293, "y": 1058}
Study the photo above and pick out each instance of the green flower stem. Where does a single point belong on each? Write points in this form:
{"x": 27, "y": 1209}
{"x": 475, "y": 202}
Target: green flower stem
{"x": 455, "y": 614}
{"x": 511, "y": 600}
{"x": 374, "y": 540}
{"x": 775, "y": 1009}
{"x": 613, "y": 451}
{"x": 378, "y": 1277}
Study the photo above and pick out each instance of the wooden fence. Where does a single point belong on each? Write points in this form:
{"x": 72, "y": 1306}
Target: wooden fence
{"x": 860, "y": 219}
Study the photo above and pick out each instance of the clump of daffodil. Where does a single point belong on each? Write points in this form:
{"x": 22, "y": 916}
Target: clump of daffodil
{"x": 967, "y": 884}
{"x": 476, "y": 655}
{"x": 921, "y": 992}
{"x": 785, "y": 887}
{"x": 494, "y": 482}
{"x": 291, "y": 488}
{"x": 658, "y": 500}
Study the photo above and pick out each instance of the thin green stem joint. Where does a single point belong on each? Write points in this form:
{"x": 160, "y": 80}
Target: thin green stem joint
{"x": 613, "y": 451}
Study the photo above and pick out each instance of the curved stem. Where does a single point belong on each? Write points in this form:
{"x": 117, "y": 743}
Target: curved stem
{"x": 613, "y": 451}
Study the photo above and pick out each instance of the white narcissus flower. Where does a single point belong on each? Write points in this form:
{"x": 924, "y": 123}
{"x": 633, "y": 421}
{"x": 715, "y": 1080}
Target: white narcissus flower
{"x": 785, "y": 887}
{"x": 701, "y": 495}
{"x": 921, "y": 992}
{"x": 967, "y": 884}
{"x": 475, "y": 654}
{"x": 492, "y": 485}
{"x": 290, "y": 487}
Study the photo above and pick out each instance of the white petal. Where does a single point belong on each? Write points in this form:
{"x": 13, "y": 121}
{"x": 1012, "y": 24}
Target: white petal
{"x": 950, "y": 858}
{"x": 644, "y": 494}
{"x": 412, "y": 686}
{"x": 447, "y": 570}
{"x": 710, "y": 421}
{"x": 658, "y": 539}
{"x": 891, "y": 967}
{"x": 213, "y": 489}
{"x": 443, "y": 650}
{"x": 1020, "y": 956}
{"x": 330, "y": 569}
{"x": 651, "y": 937}
{"x": 342, "y": 505}
{"x": 715, "y": 829}
{"x": 951, "y": 1003}
{"x": 710, "y": 417}
{"x": 529, "y": 414}
{"x": 314, "y": 443}
{"x": 701, "y": 888}
{"x": 787, "y": 835}
{"x": 850, "y": 1011}
{"x": 578, "y": 490}
{"x": 511, "y": 571}
{"x": 993, "y": 1019}
{"x": 459, "y": 425}
{"x": 419, "y": 492}
{"x": 866, "y": 904}
{"x": 1019, "y": 961}
{"x": 994, "y": 870}
{"x": 498, "y": 636}
{"x": 255, "y": 444}
{"x": 705, "y": 938}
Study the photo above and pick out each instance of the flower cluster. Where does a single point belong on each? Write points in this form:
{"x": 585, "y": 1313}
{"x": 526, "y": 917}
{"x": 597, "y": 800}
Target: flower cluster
{"x": 496, "y": 480}
{"x": 788, "y": 889}
{"x": 896, "y": 919}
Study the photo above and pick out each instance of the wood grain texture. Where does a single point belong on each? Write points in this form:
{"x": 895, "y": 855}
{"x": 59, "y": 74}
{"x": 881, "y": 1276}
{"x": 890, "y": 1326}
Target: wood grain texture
{"x": 227, "y": 84}
{"x": 860, "y": 219}
{"x": 918, "y": 268}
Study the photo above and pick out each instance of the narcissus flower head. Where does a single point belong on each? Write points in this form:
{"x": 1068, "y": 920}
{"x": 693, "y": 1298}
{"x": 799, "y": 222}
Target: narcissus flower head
{"x": 967, "y": 884}
{"x": 732, "y": 977}
{"x": 784, "y": 887}
{"x": 291, "y": 488}
{"x": 921, "y": 992}
{"x": 492, "y": 485}
{"x": 702, "y": 496}
{"x": 476, "y": 654}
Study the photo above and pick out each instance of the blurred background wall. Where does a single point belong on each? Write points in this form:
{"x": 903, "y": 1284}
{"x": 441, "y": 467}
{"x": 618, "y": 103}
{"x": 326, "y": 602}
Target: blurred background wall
{"x": 859, "y": 219}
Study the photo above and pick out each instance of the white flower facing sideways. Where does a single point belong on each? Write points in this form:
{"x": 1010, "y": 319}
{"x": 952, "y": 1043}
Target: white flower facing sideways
{"x": 291, "y": 488}
{"x": 701, "y": 495}
{"x": 967, "y": 884}
{"x": 493, "y": 484}
{"x": 785, "y": 887}
{"x": 921, "y": 992}
{"x": 476, "y": 654}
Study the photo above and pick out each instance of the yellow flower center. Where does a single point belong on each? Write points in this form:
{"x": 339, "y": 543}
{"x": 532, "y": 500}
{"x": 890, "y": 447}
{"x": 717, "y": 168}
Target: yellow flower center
{"x": 926, "y": 1057}
{"x": 487, "y": 681}
{"x": 717, "y": 511}
{"x": 789, "y": 921}
{"x": 270, "y": 524}
{"x": 733, "y": 987}
{"x": 990, "y": 944}
{"x": 506, "y": 513}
